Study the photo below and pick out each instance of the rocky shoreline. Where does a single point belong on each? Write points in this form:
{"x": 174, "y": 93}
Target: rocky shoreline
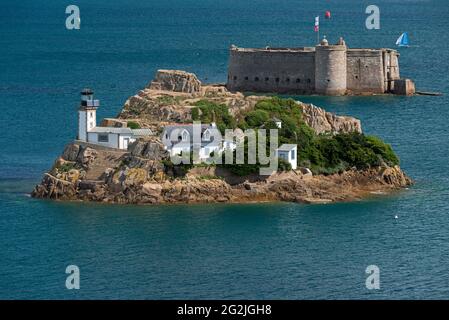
{"x": 141, "y": 175}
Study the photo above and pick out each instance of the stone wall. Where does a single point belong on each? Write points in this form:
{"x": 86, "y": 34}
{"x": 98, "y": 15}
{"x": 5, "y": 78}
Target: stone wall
{"x": 323, "y": 70}
{"x": 330, "y": 70}
{"x": 272, "y": 70}
{"x": 365, "y": 71}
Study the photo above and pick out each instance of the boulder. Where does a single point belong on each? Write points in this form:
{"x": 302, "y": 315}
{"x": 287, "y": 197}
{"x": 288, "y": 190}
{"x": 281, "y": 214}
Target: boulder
{"x": 135, "y": 176}
{"x": 176, "y": 80}
{"x": 322, "y": 121}
{"x": 86, "y": 156}
{"x": 112, "y": 122}
{"x": 71, "y": 152}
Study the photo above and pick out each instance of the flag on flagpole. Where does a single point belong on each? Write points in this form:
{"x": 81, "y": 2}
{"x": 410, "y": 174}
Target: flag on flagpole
{"x": 317, "y": 24}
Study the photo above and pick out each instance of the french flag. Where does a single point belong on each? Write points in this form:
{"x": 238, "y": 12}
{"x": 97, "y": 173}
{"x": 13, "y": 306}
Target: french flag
{"x": 317, "y": 24}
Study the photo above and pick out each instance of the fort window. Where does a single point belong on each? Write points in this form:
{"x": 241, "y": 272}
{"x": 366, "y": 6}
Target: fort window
{"x": 277, "y": 79}
{"x": 266, "y": 78}
{"x": 298, "y": 80}
{"x": 328, "y": 80}
{"x": 288, "y": 79}
{"x": 235, "y": 78}
{"x": 246, "y": 78}
{"x": 308, "y": 80}
{"x": 256, "y": 79}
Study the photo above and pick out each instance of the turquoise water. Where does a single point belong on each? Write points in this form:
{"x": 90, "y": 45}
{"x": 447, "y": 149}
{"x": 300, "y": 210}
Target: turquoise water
{"x": 274, "y": 251}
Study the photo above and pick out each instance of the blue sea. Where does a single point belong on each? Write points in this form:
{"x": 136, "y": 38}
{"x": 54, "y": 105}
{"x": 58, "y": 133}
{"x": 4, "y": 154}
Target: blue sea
{"x": 256, "y": 251}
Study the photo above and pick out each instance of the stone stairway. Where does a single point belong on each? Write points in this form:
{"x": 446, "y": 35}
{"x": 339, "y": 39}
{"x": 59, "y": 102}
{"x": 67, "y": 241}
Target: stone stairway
{"x": 104, "y": 159}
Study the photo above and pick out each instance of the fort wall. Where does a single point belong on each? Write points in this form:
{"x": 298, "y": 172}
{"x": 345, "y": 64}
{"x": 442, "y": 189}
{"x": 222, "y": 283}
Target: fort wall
{"x": 272, "y": 70}
{"x": 365, "y": 71}
{"x": 330, "y": 70}
{"x": 324, "y": 69}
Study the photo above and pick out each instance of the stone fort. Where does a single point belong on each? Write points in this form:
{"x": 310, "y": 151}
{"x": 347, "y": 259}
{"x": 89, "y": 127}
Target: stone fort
{"x": 324, "y": 69}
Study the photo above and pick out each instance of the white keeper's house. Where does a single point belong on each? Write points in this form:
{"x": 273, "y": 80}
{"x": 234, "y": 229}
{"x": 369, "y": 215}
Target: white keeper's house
{"x": 111, "y": 137}
{"x": 288, "y": 152}
{"x": 179, "y": 139}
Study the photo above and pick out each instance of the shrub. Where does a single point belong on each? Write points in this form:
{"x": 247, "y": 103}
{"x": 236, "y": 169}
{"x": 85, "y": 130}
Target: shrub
{"x": 66, "y": 167}
{"x": 284, "y": 165}
{"x": 384, "y": 150}
{"x": 257, "y": 118}
{"x": 133, "y": 125}
{"x": 195, "y": 114}
{"x": 168, "y": 100}
{"x": 209, "y": 111}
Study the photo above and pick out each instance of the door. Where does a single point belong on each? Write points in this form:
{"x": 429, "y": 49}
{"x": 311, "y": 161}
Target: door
{"x": 125, "y": 143}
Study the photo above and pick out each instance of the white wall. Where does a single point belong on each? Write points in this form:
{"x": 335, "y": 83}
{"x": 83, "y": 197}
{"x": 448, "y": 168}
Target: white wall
{"x": 91, "y": 119}
{"x": 287, "y": 155}
{"x": 122, "y": 140}
{"x": 112, "y": 143}
{"x": 82, "y": 126}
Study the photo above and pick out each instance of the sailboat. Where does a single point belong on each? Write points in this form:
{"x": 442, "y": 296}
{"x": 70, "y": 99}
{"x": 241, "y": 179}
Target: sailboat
{"x": 403, "y": 40}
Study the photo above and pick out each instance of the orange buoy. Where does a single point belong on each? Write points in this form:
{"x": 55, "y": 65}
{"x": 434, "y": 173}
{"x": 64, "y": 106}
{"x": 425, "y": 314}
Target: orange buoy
{"x": 327, "y": 15}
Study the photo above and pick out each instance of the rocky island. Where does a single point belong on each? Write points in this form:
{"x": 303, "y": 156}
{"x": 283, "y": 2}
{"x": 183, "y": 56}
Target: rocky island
{"x": 336, "y": 161}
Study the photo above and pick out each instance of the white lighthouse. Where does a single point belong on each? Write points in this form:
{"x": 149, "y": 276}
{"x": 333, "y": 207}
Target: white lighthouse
{"x": 111, "y": 137}
{"x": 87, "y": 114}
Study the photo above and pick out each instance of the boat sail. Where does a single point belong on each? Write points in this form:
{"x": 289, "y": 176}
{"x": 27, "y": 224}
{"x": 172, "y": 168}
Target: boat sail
{"x": 403, "y": 40}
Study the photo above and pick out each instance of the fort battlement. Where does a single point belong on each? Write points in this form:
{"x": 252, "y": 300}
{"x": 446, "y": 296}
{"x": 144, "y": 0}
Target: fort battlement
{"x": 324, "y": 69}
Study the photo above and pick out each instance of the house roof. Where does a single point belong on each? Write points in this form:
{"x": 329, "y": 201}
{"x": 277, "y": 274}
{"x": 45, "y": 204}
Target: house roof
{"x": 111, "y": 130}
{"x": 142, "y": 132}
{"x": 287, "y": 147}
{"x": 134, "y": 132}
{"x": 174, "y": 131}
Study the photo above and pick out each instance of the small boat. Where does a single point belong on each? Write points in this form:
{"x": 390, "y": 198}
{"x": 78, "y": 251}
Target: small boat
{"x": 403, "y": 40}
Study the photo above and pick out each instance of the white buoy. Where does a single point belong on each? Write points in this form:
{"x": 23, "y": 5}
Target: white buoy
{"x": 396, "y": 217}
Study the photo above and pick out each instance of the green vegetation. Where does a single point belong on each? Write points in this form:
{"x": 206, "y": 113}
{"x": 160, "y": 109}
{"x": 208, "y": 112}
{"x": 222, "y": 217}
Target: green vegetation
{"x": 168, "y": 100}
{"x": 66, "y": 167}
{"x": 207, "y": 111}
{"x": 323, "y": 154}
{"x": 284, "y": 165}
{"x": 133, "y": 125}
{"x": 257, "y": 118}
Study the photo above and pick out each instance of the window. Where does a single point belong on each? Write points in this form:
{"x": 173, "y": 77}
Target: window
{"x": 235, "y": 78}
{"x": 266, "y": 78}
{"x": 91, "y": 115}
{"x": 103, "y": 138}
{"x": 246, "y": 78}
{"x": 292, "y": 154}
{"x": 166, "y": 135}
{"x": 206, "y": 135}
{"x": 288, "y": 79}
{"x": 277, "y": 79}
{"x": 308, "y": 80}
{"x": 256, "y": 79}
{"x": 185, "y": 136}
